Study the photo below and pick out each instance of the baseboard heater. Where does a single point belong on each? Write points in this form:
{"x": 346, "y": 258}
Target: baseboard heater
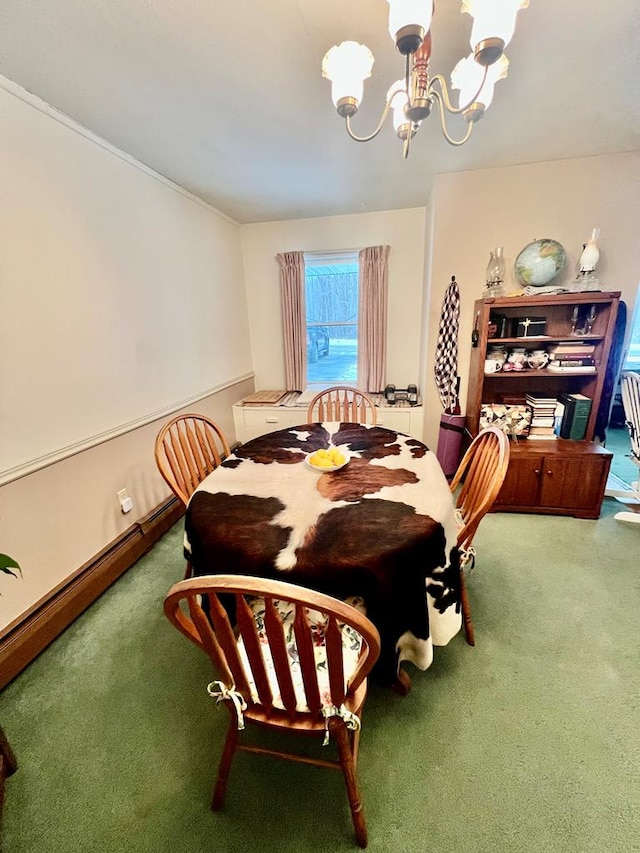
{"x": 24, "y": 641}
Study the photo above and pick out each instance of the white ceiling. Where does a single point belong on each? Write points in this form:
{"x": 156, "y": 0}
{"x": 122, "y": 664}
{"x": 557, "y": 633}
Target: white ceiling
{"x": 226, "y": 97}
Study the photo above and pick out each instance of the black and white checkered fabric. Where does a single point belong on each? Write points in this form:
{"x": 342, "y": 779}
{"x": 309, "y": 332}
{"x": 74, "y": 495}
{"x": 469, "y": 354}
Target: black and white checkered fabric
{"x": 446, "y": 366}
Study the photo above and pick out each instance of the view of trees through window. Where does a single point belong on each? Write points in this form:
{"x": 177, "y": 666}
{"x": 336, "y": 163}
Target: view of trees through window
{"x": 331, "y": 293}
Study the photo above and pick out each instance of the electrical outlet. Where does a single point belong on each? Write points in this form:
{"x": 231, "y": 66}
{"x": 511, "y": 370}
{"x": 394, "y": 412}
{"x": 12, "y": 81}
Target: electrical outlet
{"x": 126, "y": 504}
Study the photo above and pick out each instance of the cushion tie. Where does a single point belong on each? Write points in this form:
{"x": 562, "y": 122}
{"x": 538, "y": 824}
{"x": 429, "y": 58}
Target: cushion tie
{"x": 467, "y": 557}
{"x": 468, "y": 554}
{"x": 351, "y": 720}
{"x": 220, "y": 692}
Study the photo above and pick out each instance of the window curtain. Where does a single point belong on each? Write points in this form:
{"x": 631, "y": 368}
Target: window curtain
{"x": 293, "y": 320}
{"x": 372, "y": 318}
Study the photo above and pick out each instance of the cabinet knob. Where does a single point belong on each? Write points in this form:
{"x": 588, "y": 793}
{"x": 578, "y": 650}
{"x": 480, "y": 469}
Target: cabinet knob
{"x": 536, "y": 470}
{"x": 550, "y": 473}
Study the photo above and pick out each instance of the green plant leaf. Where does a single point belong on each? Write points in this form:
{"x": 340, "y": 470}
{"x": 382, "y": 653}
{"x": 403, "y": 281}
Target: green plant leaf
{"x": 7, "y": 564}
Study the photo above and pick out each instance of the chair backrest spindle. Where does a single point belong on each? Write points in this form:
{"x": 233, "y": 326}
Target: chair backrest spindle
{"x": 342, "y": 403}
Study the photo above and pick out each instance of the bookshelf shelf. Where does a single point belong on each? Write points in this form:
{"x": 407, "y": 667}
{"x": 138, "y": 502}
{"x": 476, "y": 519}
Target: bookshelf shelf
{"x": 547, "y": 474}
{"x": 544, "y": 339}
{"x": 539, "y": 374}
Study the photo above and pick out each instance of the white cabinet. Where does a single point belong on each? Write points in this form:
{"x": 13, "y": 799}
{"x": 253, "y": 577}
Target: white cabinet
{"x": 407, "y": 419}
{"x": 251, "y": 421}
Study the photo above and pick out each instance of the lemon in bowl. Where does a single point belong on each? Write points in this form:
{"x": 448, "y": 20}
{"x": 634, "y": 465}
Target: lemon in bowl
{"x": 331, "y": 459}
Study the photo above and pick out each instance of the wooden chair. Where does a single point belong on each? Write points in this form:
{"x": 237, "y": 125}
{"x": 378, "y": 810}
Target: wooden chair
{"x": 481, "y": 472}
{"x": 296, "y": 662}
{"x": 187, "y": 449}
{"x": 342, "y": 403}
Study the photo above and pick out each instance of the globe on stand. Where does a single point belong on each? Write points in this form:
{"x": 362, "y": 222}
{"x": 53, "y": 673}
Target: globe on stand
{"x": 539, "y": 263}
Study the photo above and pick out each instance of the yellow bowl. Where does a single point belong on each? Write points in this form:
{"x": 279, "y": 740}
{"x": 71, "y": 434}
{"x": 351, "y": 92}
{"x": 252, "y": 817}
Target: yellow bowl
{"x": 324, "y": 469}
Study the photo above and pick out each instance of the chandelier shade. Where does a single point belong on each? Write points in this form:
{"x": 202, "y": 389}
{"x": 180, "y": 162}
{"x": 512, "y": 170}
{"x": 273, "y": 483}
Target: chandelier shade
{"x": 409, "y": 21}
{"x": 412, "y": 99}
{"x": 347, "y": 66}
{"x": 492, "y": 20}
{"x": 468, "y": 76}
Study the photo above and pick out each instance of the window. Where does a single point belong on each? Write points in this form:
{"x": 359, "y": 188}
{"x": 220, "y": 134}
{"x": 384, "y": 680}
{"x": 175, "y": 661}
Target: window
{"x": 331, "y": 298}
{"x": 632, "y": 360}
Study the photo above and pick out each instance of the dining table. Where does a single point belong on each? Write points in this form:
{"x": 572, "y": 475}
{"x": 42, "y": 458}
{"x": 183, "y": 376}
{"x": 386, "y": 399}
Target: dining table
{"x": 382, "y": 529}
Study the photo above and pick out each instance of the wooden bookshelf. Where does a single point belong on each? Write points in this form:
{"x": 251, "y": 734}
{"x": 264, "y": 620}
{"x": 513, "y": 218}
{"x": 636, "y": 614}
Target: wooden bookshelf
{"x": 551, "y": 475}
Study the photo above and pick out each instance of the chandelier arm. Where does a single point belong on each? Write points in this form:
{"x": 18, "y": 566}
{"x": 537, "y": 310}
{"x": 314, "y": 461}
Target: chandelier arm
{"x": 444, "y": 92}
{"x": 383, "y": 117}
{"x": 406, "y": 144}
{"x": 441, "y": 107}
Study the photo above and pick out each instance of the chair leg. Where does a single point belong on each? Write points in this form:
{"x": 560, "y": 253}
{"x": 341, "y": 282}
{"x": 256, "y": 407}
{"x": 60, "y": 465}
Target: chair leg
{"x": 188, "y": 572}
{"x": 339, "y": 731}
{"x": 402, "y": 684}
{"x": 466, "y": 612}
{"x": 354, "y": 739}
{"x": 224, "y": 767}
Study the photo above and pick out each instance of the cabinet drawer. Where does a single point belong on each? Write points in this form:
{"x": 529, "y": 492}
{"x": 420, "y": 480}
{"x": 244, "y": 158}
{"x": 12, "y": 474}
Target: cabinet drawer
{"x": 252, "y": 421}
{"x": 271, "y": 420}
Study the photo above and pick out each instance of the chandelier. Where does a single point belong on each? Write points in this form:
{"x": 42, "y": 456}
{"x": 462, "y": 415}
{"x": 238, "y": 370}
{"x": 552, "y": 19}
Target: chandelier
{"x": 411, "y": 99}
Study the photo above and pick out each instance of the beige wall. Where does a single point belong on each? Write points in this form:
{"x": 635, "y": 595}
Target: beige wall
{"x": 122, "y": 300}
{"x": 476, "y": 211}
{"x": 125, "y": 293}
{"x": 403, "y": 230}
{"x": 58, "y": 518}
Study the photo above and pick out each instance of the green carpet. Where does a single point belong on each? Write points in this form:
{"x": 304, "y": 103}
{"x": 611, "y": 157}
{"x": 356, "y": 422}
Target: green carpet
{"x": 619, "y": 444}
{"x": 529, "y": 742}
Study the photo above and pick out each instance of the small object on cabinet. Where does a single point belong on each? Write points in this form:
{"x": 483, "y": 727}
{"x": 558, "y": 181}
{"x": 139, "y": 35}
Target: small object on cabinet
{"x": 393, "y": 395}
{"x": 531, "y": 327}
{"x": 514, "y": 420}
{"x": 498, "y": 325}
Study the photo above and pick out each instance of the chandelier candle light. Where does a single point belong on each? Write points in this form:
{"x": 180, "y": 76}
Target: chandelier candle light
{"x": 349, "y": 64}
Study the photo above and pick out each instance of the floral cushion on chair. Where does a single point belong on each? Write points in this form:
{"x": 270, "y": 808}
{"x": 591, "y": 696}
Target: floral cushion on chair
{"x": 351, "y": 646}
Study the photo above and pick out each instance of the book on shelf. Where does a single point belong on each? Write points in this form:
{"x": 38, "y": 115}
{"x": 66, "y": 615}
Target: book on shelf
{"x": 574, "y": 361}
{"x": 540, "y": 399}
{"x": 561, "y": 368}
{"x": 577, "y": 408}
{"x": 542, "y": 422}
{"x": 572, "y": 348}
{"x": 543, "y": 406}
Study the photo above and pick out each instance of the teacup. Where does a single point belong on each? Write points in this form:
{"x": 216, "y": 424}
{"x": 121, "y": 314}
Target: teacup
{"x": 497, "y": 353}
{"x": 491, "y": 365}
{"x": 538, "y": 358}
{"x": 516, "y": 359}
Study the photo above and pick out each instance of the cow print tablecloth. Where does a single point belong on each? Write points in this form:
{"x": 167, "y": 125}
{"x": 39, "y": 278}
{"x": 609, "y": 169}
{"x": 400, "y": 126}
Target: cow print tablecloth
{"x": 382, "y": 528}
